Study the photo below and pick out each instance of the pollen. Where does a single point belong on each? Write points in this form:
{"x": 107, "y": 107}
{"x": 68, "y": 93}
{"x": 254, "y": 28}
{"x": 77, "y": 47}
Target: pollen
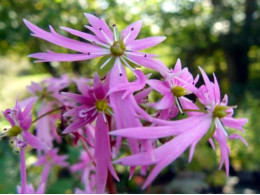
{"x": 102, "y": 105}
{"x": 14, "y": 131}
{"x": 178, "y": 91}
{"x": 118, "y": 48}
{"x": 220, "y": 111}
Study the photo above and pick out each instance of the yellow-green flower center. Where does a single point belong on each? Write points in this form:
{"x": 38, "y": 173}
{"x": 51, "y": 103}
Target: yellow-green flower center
{"x": 220, "y": 111}
{"x": 118, "y": 48}
{"x": 102, "y": 105}
{"x": 178, "y": 91}
{"x": 14, "y": 131}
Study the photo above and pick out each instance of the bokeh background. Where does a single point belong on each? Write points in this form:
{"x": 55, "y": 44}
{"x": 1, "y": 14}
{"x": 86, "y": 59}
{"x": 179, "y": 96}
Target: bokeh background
{"x": 221, "y": 36}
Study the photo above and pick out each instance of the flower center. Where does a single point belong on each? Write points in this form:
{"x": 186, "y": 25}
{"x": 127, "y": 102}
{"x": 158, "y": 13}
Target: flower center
{"x": 220, "y": 111}
{"x": 118, "y": 48}
{"x": 178, "y": 91}
{"x": 14, "y": 131}
{"x": 102, "y": 105}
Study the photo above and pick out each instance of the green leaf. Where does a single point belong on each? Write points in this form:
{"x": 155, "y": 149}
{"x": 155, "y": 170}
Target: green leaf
{"x": 210, "y": 132}
{"x": 103, "y": 72}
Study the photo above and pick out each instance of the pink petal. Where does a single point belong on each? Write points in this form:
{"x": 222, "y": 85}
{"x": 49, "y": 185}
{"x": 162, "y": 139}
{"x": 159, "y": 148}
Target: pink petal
{"x": 61, "y": 57}
{"x": 159, "y": 86}
{"x": 75, "y": 126}
{"x": 98, "y": 87}
{"x": 177, "y": 66}
{"x": 208, "y": 84}
{"x": 165, "y": 103}
{"x": 234, "y": 123}
{"x": 102, "y": 155}
{"x": 97, "y": 23}
{"x": 79, "y": 98}
{"x": 172, "y": 129}
{"x": 34, "y": 141}
{"x": 149, "y": 63}
{"x": 83, "y": 35}
{"x": 235, "y": 136}
{"x": 216, "y": 89}
{"x": 62, "y": 41}
{"x": 130, "y": 88}
{"x": 133, "y": 29}
{"x": 145, "y": 43}
{"x": 140, "y": 97}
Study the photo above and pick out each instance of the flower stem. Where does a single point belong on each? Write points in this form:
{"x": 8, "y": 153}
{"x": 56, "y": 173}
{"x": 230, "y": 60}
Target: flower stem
{"x": 45, "y": 173}
{"x": 47, "y": 113}
{"x": 23, "y": 172}
{"x": 111, "y": 187}
{"x": 87, "y": 150}
{"x": 192, "y": 110}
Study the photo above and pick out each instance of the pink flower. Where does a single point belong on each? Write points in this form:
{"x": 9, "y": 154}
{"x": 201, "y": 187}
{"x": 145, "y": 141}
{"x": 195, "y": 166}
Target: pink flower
{"x": 178, "y": 83}
{"x": 20, "y": 121}
{"x": 94, "y": 106}
{"x": 48, "y": 160}
{"x": 93, "y": 101}
{"x": 103, "y": 42}
{"x": 207, "y": 125}
{"x": 30, "y": 189}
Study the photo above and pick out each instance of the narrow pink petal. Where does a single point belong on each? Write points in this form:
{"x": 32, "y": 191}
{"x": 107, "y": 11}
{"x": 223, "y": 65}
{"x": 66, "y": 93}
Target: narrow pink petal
{"x": 131, "y": 87}
{"x": 192, "y": 148}
{"x": 149, "y": 63}
{"x": 99, "y": 23}
{"x": 98, "y": 87}
{"x": 83, "y": 35}
{"x": 235, "y": 136}
{"x": 159, "y": 86}
{"x": 224, "y": 149}
{"x": 62, "y": 57}
{"x": 75, "y": 126}
{"x": 234, "y": 123}
{"x": 176, "y": 147}
{"x": 165, "y": 103}
{"x": 208, "y": 83}
{"x": 102, "y": 154}
{"x": 62, "y": 41}
{"x": 145, "y": 43}
{"x": 34, "y": 141}
{"x": 133, "y": 29}
{"x": 212, "y": 144}
{"x": 79, "y": 98}
{"x": 140, "y": 97}
{"x": 175, "y": 128}
{"x": 177, "y": 66}
{"x": 216, "y": 89}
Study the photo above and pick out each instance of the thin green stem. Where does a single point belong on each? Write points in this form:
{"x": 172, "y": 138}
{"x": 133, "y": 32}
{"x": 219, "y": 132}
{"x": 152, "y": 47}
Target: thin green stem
{"x": 47, "y": 113}
{"x": 191, "y": 110}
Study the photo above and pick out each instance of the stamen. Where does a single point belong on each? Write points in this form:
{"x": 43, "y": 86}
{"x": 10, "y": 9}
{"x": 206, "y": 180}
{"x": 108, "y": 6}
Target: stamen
{"x": 128, "y": 65}
{"x": 109, "y": 111}
{"x": 101, "y": 53}
{"x": 107, "y": 38}
{"x": 119, "y": 69}
{"x": 83, "y": 113}
{"x": 104, "y": 117}
{"x": 105, "y": 63}
{"x": 145, "y": 55}
{"x": 128, "y": 35}
{"x": 114, "y": 32}
{"x": 98, "y": 43}
{"x": 95, "y": 112}
{"x": 178, "y": 105}
{"x": 131, "y": 60}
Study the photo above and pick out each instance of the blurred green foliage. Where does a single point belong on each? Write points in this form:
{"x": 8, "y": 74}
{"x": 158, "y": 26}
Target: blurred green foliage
{"x": 222, "y": 36}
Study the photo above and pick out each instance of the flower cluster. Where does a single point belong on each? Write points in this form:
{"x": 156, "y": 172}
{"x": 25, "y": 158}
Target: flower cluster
{"x": 108, "y": 110}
